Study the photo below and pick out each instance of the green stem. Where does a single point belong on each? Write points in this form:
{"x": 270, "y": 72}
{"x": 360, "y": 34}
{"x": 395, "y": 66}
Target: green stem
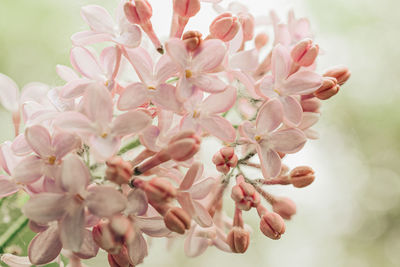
{"x": 129, "y": 146}
{"x": 12, "y": 231}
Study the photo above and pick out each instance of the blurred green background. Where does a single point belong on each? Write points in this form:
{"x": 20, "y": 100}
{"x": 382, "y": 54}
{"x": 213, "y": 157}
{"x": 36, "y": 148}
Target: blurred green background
{"x": 350, "y": 216}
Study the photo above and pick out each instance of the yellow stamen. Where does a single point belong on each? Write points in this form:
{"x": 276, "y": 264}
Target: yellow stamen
{"x": 196, "y": 114}
{"x": 104, "y": 135}
{"x": 107, "y": 83}
{"x": 258, "y": 138}
{"x": 51, "y": 160}
{"x": 188, "y": 73}
{"x": 151, "y": 88}
{"x": 277, "y": 91}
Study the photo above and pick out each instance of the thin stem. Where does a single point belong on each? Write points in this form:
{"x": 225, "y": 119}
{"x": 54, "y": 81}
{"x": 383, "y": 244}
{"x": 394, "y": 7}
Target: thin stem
{"x": 129, "y": 146}
{"x": 12, "y": 231}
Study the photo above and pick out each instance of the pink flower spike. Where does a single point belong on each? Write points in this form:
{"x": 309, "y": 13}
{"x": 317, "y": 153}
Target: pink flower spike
{"x": 140, "y": 13}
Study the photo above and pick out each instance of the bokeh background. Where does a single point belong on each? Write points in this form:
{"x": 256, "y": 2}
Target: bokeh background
{"x": 350, "y": 215}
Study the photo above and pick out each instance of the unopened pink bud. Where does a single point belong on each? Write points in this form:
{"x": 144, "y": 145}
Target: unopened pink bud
{"x": 183, "y": 149}
{"x": 238, "y": 239}
{"x": 261, "y": 40}
{"x": 245, "y": 195}
{"x": 121, "y": 259}
{"x": 247, "y": 21}
{"x": 158, "y": 190}
{"x": 186, "y": 8}
{"x": 272, "y": 225}
{"x": 328, "y": 88}
{"x": 105, "y": 238}
{"x": 118, "y": 170}
{"x": 122, "y": 228}
{"x": 138, "y": 13}
{"x": 285, "y": 207}
{"x": 225, "y": 27}
{"x": 302, "y": 176}
{"x": 341, "y": 73}
{"x": 311, "y": 105}
{"x": 305, "y": 52}
{"x": 225, "y": 159}
{"x": 192, "y": 40}
{"x": 177, "y": 220}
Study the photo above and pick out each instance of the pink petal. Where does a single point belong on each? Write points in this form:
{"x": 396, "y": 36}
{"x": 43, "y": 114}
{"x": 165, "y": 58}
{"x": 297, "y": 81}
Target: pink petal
{"x": 103, "y": 148}
{"x": 108, "y": 60}
{"x": 20, "y": 146}
{"x": 85, "y": 63}
{"x": 165, "y": 68}
{"x": 130, "y": 122}
{"x": 34, "y": 91}
{"x": 201, "y": 189}
{"x": 280, "y": 63}
{"x": 75, "y": 176}
{"x": 267, "y": 87}
{"x": 288, "y": 141}
{"x": 8, "y": 159}
{"x": 149, "y": 136}
{"x": 221, "y": 102}
{"x": 66, "y": 73}
{"x": 137, "y": 202}
{"x": 39, "y": 139}
{"x": 137, "y": 249}
{"x": 246, "y": 80}
{"x": 64, "y": 142}
{"x": 98, "y": 105}
{"x": 302, "y": 83}
{"x": 15, "y": 261}
{"x": 89, "y": 248}
{"x": 45, "y": 246}
{"x": 98, "y": 18}
{"x": 28, "y": 170}
{"x": 89, "y": 37}
{"x": 292, "y": 110}
{"x": 270, "y": 116}
{"x": 74, "y": 122}
{"x": 185, "y": 89}
{"x": 209, "y": 83}
{"x": 130, "y": 36}
{"x": 194, "y": 172}
{"x": 45, "y": 207}
{"x": 72, "y": 227}
{"x": 269, "y": 160}
{"x": 209, "y": 56}
{"x": 202, "y": 217}
{"x": 219, "y": 127}
{"x": 247, "y": 130}
{"x": 134, "y": 95}
{"x": 7, "y": 187}
{"x": 142, "y": 62}
{"x": 9, "y": 93}
{"x": 177, "y": 51}
{"x": 309, "y": 119}
{"x": 246, "y": 61}
{"x": 105, "y": 201}
{"x": 194, "y": 245}
{"x": 152, "y": 226}
{"x": 165, "y": 97}
{"x": 186, "y": 202}
{"x": 282, "y": 35}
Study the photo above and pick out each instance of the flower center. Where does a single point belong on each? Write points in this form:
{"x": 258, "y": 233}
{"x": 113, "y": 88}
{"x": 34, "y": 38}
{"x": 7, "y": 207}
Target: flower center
{"x": 79, "y": 198}
{"x": 51, "y": 160}
{"x": 188, "y": 73}
{"x": 104, "y": 135}
{"x": 151, "y": 87}
{"x": 257, "y": 138}
{"x": 196, "y": 114}
{"x": 277, "y": 91}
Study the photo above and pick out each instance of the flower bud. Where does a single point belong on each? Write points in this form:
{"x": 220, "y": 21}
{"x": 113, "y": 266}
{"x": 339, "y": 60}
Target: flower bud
{"x": 272, "y": 225}
{"x": 247, "y": 22}
{"x": 225, "y": 159}
{"x": 118, "y": 170}
{"x": 224, "y": 27}
{"x": 310, "y": 104}
{"x": 177, "y": 220}
{"x": 328, "y": 88}
{"x": 302, "y": 176}
{"x": 105, "y": 238}
{"x": 158, "y": 190}
{"x": 305, "y": 52}
{"x": 238, "y": 239}
{"x": 122, "y": 228}
{"x": 120, "y": 259}
{"x": 261, "y": 40}
{"x": 285, "y": 207}
{"x": 183, "y": 149}
{"x": 138, "y": 13}
{"x": 341, "y": 73}
{"x": 186, "y": 8}
{"x": 192, "y": 40}
{"x": 244, "y": 195}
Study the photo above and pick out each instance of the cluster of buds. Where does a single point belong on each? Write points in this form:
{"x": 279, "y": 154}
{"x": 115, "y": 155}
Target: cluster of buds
{"x": 114, "y": 154}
